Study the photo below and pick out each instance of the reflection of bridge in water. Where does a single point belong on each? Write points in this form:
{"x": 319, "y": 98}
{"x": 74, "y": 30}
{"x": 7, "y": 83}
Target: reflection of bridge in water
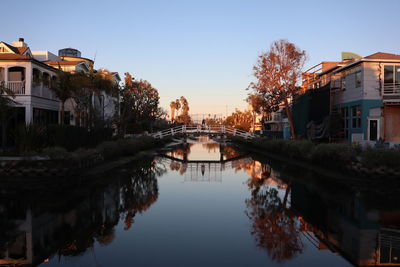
{"x": 203, "y": 170}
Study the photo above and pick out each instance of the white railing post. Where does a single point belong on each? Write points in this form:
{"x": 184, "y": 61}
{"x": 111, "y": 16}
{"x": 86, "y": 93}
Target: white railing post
{"x": 160, "y": 135}
{"x": 198, "y": 128}
{"x": 234, "y": 132}
{"x": 172, "y": 132}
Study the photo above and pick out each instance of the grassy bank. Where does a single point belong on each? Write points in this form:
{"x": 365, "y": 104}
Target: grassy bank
{"x": 341, "y": 157}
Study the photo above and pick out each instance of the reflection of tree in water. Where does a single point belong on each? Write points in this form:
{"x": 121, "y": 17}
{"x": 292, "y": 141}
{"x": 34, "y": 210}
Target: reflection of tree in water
{"x": 212, "y": 146}
{"x": 230, "y": 152}
{"x": 139, "y": 191}
{"x": 183, "y": 151}
{"x": 274, "y": 225}
{"x": 69, "y": 224}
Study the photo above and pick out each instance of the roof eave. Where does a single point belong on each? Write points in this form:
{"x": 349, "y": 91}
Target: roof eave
{"x": 367, "y": 60}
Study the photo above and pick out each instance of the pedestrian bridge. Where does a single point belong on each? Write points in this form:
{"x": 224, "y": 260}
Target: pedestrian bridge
{"x": 198, "y": 129}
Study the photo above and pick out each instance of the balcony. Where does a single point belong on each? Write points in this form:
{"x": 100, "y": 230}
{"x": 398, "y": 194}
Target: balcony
{"x": 391, "y": 91}
{"x": 18, "y": 87}
{"x": 274, "y": 118}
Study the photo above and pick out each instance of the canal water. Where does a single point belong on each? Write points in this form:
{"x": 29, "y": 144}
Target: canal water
{"x": 202, "y": 204}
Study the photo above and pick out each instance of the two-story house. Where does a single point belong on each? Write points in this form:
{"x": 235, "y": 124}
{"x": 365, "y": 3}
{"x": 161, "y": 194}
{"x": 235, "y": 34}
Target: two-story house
{"x": 365, "y": 91}
{"x": 30, "y": 74}
{"x": 30, "y": 80}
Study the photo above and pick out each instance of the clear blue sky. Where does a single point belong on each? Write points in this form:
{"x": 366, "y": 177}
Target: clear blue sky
{"x": 201, "y": 49}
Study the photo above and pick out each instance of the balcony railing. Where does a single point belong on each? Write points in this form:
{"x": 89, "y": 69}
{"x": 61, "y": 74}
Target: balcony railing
{"x": 273, "y": 118}
{"x": 18, "y": 87}
{"x": 391, "y": 89}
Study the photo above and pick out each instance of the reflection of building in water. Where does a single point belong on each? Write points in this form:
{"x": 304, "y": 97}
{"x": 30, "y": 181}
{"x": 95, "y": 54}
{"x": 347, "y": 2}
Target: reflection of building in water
{"x": 365, "y": 236}
{"x": 36, "y": 234}
{"x": 329, "y": 217}
{"x": 34, "y": 231}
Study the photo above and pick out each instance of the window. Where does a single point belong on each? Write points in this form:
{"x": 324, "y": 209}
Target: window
{"x": 391, "y": 75}
{"x": 44, "y": 117}
{"x": 356, "y": 117}
{"x": 357, "y": 76}
{"x": 345, "y": 120}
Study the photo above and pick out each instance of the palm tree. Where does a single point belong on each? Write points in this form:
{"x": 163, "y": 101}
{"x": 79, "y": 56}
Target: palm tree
{"x": 6, "y": 103}
{"x": 177, "y": 106}
{"x": 172, "y": 106}
{"x": 185, "y": 105}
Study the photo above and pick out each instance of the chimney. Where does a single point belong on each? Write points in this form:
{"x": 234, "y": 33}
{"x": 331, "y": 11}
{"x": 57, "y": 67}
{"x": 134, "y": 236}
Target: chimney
{"x": 20, "y": 43}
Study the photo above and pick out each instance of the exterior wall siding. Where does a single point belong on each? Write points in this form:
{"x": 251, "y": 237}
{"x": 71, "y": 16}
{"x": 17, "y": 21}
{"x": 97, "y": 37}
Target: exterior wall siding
{"x": 366, "y": 105}
{"x": 371, "y": 85}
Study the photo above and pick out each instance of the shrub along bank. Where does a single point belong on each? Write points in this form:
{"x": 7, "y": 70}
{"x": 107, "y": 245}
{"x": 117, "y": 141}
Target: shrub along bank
{"x": 342, "y": 157}
{"x": 63, "y": 162}
{"x": 108, "y": 150}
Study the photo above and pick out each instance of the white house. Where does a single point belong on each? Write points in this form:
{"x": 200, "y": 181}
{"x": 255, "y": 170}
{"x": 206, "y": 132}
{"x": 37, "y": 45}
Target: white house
{"x": 29, "y": 74}
{"x": 30, "y": 81}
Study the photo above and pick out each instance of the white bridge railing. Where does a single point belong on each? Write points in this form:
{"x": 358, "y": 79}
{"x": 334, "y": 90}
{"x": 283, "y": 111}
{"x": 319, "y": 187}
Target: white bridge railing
{"x": 218, "y": 129}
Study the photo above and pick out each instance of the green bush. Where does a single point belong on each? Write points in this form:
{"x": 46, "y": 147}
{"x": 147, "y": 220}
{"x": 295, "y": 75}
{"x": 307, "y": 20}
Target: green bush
{"x": 74, "y": 137}
{"x": 272, "y": 146}
{"x": 378, "y": 157}
{"x": 56, "y": 153}
{"x": 31, "y": 138}
{"x": 126, "y": 147}
{"x": 291, "y": 148}
{"x": 333, "y": 155}
{"x": 298, "y": 148}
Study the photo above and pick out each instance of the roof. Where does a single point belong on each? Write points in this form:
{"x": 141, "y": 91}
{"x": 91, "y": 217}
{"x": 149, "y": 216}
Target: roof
{"x": 380, "y": 55}
{"x": 376, "y": 57}
{"x": 9, "y": 56}
{"x": 83, "y": 58}
{"x": 22, "y": 50}
{"x": 63, "y": 62}
{"x": 16, "y": 50}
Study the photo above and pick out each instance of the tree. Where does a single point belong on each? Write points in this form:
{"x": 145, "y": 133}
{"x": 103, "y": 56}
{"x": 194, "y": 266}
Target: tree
{"x": 6, "y": 111}
{"x": 63, "y": 88}
{"x": 274, "y": 224}
{"x": 83, "y": 88}
{"x": 172, "y": 106}
{"x": 184, "y": 117}
{"x": 82, "y": 98}
{"x": 240, "y": 120}
{"x": 106, "y": 85}
{"x": 139, "y": 107}
{"x": 277, "y": 74}
{"x": 177, "y": 106}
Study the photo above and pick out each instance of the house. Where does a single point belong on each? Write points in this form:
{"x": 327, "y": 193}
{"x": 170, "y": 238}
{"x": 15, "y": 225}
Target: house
{"x": 30, "y": 80}
{"x": 108, "y": 104}
{"x": 30, "y": 74}
{"x": 365, "y": 93}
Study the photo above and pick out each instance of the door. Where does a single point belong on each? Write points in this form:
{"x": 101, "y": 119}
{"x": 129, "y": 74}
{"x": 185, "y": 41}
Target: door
{"x": 373, "y": 130}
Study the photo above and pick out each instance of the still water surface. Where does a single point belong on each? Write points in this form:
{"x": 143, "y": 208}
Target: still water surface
{"x": 203, "y": 204}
